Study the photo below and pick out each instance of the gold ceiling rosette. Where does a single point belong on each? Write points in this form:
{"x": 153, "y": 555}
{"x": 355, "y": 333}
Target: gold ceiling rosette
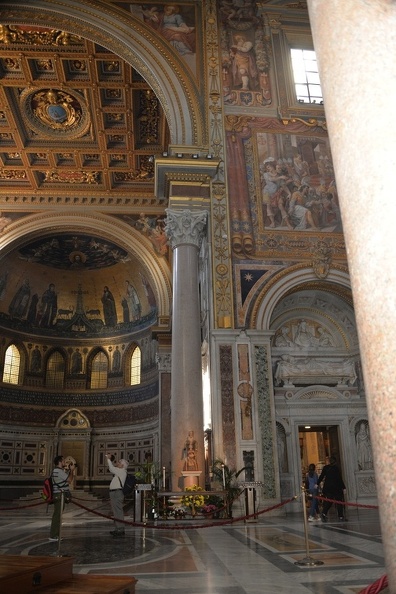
{"x": 50, "y": 111}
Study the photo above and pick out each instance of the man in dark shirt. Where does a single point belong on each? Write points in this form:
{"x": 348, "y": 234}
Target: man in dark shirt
{"x": 61, "y": 483}
{"x": 333, "y": 488}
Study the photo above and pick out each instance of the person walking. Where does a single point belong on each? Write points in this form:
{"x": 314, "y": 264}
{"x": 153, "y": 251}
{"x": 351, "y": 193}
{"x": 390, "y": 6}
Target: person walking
{"x": 333, "y": 488}
{"x": 61, "y": 480}
{"x": 311, "y": 486}
{"x": 119, "y": 470}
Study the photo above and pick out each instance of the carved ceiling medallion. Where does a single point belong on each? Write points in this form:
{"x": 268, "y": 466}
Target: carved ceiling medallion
{"x": 50, "y": 111}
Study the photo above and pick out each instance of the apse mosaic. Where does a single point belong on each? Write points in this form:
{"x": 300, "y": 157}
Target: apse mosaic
{"x": 75, "y": 285}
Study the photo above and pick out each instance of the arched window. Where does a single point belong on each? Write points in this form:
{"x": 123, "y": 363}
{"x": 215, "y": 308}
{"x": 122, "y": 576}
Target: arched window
{"x": 12, "y": 365}
{"x": 136, "y": 360}
{"x": 55, "y": 372}
{"x": 99, "y": 371}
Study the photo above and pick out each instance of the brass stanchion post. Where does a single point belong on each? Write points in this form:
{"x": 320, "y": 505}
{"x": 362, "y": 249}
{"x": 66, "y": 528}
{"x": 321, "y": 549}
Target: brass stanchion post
{"x": 307, "y": 560}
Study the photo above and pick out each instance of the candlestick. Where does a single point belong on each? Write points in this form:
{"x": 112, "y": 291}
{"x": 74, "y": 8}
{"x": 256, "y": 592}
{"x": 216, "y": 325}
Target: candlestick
{"x": 163, "y": 477}
{"x": 223, "y": 476}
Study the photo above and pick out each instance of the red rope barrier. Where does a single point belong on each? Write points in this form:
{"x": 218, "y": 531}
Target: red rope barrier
{"x": 347, "y": 503}
{"x": 177, "y": 526}
{"x": 376, "y": 587}
{"x": 22, "y": 506}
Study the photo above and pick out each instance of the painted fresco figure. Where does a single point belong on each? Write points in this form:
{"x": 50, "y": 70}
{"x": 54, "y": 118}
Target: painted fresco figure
{"x": 275, "y": 193}
{"x": 32, "y": 311}
{"x": 134, "y": 305}
{"x": 300, "y": 216}
{"x": 19, "y": 303}
{"x": 173, "y": 27}
{"x": 116, "y": 360}
{"x": 35, "y": 365}
{"x": 76, "y": 362}
{"x": 49, "y": 303}
{"x": 109, "y": 308}
{"x": 244, "y": 67}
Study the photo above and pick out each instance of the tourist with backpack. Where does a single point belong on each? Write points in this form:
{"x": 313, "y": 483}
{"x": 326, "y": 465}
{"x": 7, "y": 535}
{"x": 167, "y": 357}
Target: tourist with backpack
{"x": 311, "y": 486}
{"x": 61, "y": 480}
{"x": 119, "y": 470}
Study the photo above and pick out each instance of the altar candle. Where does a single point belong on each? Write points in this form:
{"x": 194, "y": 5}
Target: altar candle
{"x": 223, "y": 476}
{"x": 163, "y": 477}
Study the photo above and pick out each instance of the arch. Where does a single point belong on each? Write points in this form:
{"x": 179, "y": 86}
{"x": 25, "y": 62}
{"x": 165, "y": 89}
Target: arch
{"x": 55, "y": 376}
{"x": 73, "y": 418}
{"x": 112, "y": 228}
{"x": 90, "y": 366}
{"x": 128, "y": 355}
{"x": 285, "y": 281}
{"x": 136, "y": 43}
{"x": 12, "y": 365}
{"x": 136, "y": 366}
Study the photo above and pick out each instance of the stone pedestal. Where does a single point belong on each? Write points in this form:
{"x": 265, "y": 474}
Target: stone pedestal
{"x": 191, "y": 477}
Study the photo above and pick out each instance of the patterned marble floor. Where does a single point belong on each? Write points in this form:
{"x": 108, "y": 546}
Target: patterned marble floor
{"x": 260, "y": 557}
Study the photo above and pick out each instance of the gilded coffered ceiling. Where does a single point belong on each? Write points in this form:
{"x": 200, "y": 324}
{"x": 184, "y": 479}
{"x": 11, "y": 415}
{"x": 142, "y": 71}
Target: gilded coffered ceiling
{"x": 76, "y": 122}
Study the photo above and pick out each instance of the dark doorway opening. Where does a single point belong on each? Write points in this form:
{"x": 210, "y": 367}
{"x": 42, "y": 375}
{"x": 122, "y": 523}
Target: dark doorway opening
{"x": 318, "y": 442}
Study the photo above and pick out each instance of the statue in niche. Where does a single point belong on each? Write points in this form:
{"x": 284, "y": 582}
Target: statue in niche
{"x": 283, "y": 339}
{"x": 325, "y": 338}
{"x": 190, "y": 462}
{"x": 363, "y": 446}
{"x": 304, "y": 337}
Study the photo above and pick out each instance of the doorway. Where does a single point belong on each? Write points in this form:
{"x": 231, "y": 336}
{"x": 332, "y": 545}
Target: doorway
{"x": 318, "y": 442}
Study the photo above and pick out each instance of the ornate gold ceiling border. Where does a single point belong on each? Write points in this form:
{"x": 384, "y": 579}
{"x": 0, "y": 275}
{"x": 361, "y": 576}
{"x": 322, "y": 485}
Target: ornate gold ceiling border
{"x": 21, "y": 202}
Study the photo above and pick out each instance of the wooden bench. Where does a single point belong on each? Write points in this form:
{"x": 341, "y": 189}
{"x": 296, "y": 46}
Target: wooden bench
{"x": 54, "y": 575}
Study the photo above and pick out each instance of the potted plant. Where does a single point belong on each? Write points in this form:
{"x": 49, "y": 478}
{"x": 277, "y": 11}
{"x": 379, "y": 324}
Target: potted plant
{"x": 227, "y": 477}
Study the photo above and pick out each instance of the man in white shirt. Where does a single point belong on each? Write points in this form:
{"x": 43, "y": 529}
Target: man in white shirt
{"x": 119, "y": 470}
{"x": 61, "y": 484}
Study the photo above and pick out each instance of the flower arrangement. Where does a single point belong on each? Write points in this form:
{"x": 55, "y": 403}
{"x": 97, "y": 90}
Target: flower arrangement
{"x": 210, "y": 509}
{"x": 194, "y": 501}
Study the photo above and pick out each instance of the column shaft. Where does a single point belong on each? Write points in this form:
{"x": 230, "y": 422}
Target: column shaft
{"x": 186, "y": 383}
{"x": 355, "y": 44}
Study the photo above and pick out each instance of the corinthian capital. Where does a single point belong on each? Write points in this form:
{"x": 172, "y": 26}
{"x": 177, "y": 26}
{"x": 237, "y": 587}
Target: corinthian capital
{"x": 185, "y": 227}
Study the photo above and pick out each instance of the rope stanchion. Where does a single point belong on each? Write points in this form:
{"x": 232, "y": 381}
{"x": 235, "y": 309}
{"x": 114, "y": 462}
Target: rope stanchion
{"x": 307, "y": 560}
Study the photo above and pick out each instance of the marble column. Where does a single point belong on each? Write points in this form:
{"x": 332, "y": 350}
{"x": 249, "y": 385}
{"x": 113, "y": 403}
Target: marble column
{"x": 355, "y": 43}
{"x": 185, "y": 229}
